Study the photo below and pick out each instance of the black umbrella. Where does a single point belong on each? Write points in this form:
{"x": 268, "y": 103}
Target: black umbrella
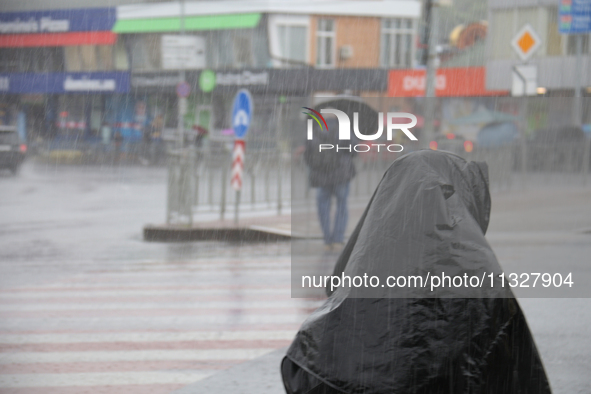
{"x": 368, "y": 117}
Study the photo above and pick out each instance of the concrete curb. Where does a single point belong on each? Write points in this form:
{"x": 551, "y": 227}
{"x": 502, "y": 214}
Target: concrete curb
{"x": 232, "y": 234}
{"x": 259, "y": 376}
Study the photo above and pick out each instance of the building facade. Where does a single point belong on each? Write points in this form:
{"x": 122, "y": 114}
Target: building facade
{"x": 69, "y": 71}
{"x": 555, "y": 58}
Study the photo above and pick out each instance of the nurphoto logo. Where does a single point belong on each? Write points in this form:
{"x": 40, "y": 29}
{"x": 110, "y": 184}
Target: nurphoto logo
{"x": 344, "y": 132}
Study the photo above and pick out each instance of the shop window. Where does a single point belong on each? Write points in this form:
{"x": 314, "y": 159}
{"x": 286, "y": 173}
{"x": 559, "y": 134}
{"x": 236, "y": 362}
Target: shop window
{"x": 9, "y": 61}
{"x": 32, "y": 60}
{"x": 71, "y": 123}
{"x": 104, "y": 57}
{"x": 89, "y": 58}
{"x": 166, "y": 107}
{"x": 325, "y": 43}
{"x": 397, "y": 43}
{"x": 120, "y": 57}
{"x": 145, "y": 51}
{"x": 72, "y": 59}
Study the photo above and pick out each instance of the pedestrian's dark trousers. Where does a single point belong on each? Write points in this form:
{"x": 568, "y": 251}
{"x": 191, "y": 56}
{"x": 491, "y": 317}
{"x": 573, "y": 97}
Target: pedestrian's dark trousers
{"x": 298, "y": 381}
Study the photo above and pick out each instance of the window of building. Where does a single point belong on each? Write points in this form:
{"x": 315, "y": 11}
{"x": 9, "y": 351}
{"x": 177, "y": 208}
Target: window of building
{"x": 292, "y": 42}
{"x": 397, "y": 49}
{"x": 288, "y": 39}
{"x": 325, "y": 43}
{"x": 94, "y": 58}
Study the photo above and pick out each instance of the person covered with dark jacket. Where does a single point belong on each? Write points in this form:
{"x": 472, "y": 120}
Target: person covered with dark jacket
{"x": 428, "y": 216}
{"x": 330, "y": 171}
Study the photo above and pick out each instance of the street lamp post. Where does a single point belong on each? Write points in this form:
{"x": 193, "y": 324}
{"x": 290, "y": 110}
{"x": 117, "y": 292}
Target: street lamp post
{"x": 182, "y": 101}
{"x": 430, "y": 78}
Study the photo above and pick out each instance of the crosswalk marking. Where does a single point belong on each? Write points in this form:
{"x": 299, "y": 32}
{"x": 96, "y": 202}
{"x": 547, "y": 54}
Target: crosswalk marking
{"x": 195, "y": 305}
{"x": 101, "y": 378}
{"x": 148, "y": 293}
{"x": 147, "y": 337}
{"x": 134, "y": 355}
{"x": 144, "y": 332}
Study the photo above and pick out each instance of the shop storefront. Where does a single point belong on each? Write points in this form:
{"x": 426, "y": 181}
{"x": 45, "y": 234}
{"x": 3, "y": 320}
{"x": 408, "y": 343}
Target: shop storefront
{"x": 274, "y": 92}
{"x": 63, "y": 71}
{"x": 66, "y": 105}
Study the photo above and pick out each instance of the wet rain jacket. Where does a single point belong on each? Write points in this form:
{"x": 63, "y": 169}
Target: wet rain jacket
{"x": 329, "y": 167}
{"x": 429, "y": 213}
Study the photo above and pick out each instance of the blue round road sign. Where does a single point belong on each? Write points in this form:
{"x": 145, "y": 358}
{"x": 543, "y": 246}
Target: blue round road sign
{"x": 242, "y": 113}
{"x": 183, "y": 89}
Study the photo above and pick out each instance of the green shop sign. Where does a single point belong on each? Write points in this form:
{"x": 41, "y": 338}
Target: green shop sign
{"x": 207, "y": 81}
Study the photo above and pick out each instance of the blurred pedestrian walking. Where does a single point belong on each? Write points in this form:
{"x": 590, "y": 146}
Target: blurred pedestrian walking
{"x": 330, "y": 171}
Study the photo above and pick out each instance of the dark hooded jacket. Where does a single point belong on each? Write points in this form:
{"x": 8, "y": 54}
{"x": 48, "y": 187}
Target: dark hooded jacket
{"x": 429, "y": 214}
{"x": 329, "y": 167}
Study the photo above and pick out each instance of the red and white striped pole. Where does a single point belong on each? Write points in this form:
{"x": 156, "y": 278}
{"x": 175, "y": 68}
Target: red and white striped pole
{"x": 237, "y": 167}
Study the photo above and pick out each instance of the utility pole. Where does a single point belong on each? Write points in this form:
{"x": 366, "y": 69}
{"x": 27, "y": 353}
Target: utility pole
{"x": 182, "y": 103}
{"x": 578, "y": 107}
{"x": 577, "y": 113}
{"x": 431, "y": 32}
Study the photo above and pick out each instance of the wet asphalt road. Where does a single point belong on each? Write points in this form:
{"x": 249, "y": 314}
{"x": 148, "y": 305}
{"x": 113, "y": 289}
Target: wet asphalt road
{"x": 85, "y": 304}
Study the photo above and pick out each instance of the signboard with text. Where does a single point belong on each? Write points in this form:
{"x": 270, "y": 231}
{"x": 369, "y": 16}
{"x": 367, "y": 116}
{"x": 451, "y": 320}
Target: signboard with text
{"x": 58, "y": 21}
{"x": 79, "y": 82}
{"x": 182, "y": 52}
{"x": 574, "y": 16}
{"x": 449, "y": 82}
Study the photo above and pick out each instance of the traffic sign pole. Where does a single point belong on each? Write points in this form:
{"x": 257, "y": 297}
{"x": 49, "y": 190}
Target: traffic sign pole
{"x": 575, "y": 18}
{"x": 237, "y": 164}
{"x": 241, "y": 119}
{"x": 237, "y": 169}
{"x": 577, "y": 112}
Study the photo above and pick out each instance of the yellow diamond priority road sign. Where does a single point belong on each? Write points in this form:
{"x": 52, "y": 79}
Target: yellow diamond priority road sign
{"x": 526, "y": 42}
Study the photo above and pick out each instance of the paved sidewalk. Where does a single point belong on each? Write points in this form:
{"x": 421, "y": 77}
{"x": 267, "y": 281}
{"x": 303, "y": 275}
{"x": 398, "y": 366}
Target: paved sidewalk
{"x": 260, "y": 376}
